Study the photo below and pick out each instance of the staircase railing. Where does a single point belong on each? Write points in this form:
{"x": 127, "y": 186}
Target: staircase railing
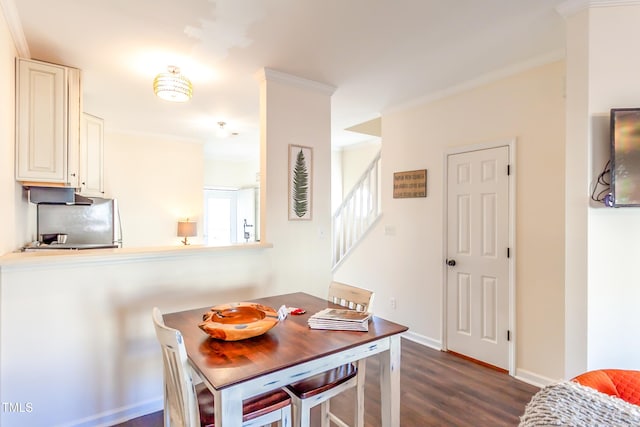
{"x": 358, "y": 212}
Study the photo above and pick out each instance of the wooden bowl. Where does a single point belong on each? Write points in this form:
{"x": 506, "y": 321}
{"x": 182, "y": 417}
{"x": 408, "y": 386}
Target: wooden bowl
{"x": 238, "y": 321}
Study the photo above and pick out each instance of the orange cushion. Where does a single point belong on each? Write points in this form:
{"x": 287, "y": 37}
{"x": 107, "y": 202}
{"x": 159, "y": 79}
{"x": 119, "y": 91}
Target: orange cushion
{"x": 621, "y": 383}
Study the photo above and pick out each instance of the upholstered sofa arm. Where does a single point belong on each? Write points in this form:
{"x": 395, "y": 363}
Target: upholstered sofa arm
{"x": 569, "y": 403}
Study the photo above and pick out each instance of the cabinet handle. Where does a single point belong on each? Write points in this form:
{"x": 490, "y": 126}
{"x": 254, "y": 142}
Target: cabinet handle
{"x": 73, "y": 174}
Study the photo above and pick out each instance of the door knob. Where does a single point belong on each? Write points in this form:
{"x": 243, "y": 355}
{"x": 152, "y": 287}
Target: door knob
{"x": 451, "y": 262}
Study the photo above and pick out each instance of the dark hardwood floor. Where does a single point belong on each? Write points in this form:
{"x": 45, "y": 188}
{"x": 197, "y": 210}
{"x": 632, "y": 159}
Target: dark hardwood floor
{"x": 437, "y": 389}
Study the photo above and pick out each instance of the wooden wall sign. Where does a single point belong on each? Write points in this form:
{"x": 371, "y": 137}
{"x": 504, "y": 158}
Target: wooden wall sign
{"x": 410, "y": 184}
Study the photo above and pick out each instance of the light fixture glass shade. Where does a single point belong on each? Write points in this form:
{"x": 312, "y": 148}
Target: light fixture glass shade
{"x": 187, "y": 229}
{"x": 173, "y": 86}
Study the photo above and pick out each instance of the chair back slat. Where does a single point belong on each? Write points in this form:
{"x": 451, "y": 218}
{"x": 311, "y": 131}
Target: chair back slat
{"x": 181, "y": 405}
{"x": 350, "y": 296}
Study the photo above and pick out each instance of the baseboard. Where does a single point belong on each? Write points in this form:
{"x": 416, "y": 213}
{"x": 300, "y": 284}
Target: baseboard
{"x": 533, "y": 379}
{"x": 521, "y": 374}
{"x": 119, "y": 415}
{"x": 421, "y": 339}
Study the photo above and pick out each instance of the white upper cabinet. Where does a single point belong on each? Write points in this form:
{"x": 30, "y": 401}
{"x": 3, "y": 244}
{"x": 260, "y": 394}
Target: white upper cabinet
{"x": 47, "y": 123}
{"x": 91, "y": 155}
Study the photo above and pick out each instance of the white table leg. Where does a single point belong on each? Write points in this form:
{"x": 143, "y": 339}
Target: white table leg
{"x": 390, "y": 383}
{"x": 228, "y": 408}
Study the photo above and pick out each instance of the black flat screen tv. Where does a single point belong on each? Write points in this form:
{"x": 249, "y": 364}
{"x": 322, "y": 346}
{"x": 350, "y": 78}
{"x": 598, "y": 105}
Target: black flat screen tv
{"x": 625, "y": 157}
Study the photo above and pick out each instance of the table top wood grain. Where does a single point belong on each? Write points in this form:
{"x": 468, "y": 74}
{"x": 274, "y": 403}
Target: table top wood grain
{"x": 291, "y": 342}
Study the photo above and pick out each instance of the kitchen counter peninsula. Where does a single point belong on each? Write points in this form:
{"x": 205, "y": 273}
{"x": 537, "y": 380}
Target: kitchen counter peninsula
{"x": 19, "y": 259}
{"x": 84, "y": 317}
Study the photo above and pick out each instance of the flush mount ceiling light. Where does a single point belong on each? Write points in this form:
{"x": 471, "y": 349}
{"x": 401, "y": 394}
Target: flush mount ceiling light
{"x": 172, "y": 86}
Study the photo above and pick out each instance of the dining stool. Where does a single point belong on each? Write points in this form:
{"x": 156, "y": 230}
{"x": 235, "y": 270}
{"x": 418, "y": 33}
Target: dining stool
{"x": 189, "y": 405}
{"x": 319, "y": 389}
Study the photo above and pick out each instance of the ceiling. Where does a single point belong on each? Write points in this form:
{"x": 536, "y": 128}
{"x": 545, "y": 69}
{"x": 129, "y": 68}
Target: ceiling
{"x": 378, "y": 54}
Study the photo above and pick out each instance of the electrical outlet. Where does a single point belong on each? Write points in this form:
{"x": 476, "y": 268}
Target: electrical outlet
{"x": 393, "y": 303}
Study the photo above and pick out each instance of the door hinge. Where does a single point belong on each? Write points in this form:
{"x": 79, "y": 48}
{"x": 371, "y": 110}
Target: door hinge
{"x": 508, "y": 252}
{"x": 508, "y": 169}
{"x": 508, "y": 335}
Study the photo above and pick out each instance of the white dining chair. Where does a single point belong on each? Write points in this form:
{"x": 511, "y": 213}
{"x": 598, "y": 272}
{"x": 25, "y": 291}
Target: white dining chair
{"x": 189, "y": 405}
{"x": 319, "y": 389}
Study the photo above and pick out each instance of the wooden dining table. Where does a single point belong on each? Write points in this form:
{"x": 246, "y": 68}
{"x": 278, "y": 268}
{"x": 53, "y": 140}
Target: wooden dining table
{"x": 288, "y": 352}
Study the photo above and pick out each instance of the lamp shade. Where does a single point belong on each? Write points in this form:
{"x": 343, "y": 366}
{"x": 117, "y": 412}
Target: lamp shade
{"x": 173, "y": 86}
{"x": 187, "y": 229}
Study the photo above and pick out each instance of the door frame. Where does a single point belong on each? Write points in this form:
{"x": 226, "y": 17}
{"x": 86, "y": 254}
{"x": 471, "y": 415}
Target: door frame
{"x": 511, "y": 144}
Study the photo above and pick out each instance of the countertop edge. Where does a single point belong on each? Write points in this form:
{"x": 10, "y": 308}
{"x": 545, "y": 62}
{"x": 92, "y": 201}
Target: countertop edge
{"x": 28, "y": 260}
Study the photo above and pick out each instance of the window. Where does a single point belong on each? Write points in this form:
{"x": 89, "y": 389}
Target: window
{"x": 229, "y": 216}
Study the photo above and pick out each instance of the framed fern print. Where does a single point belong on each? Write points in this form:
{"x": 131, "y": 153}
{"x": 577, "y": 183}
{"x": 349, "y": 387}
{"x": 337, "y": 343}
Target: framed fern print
{"x": 300, "y": 185}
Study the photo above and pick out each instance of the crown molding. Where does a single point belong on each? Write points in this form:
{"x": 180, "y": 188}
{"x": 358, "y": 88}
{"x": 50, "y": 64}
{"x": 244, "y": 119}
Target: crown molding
{"x": 571, "y": 7}
{"x": 482, "y": 80}
{"x": 15, "y": 27}
{"x": 268, "y": 74}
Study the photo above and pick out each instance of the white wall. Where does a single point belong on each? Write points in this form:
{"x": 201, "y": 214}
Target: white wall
{"x": 614, "y": 234}
{"x": 576, "y": 203}
{"x": 407, "y": 262}
{"x": 157, "y": 181}
{"x": 15, "y": 211}
{"x": 7, "y": 118}
{"x": 336, "y": 179}
{"x": 354, "y": 162}
{"x": 230, "y": 174}
{"x": 296, "y": 111}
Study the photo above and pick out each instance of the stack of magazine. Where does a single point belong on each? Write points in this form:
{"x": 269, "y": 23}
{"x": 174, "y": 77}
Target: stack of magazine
{"x": 340, "y": 319}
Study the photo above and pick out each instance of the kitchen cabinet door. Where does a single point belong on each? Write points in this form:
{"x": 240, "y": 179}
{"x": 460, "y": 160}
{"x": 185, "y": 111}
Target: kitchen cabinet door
{"x": 47, "y": 123}
{"x": 91, "y": 155}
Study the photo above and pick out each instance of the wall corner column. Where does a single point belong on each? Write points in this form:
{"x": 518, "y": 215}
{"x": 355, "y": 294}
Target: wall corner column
{"x": 294, "y": 110}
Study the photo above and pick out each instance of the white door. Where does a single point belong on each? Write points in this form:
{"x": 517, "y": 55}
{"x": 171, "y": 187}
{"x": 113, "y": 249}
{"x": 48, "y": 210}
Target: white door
{"x": 477, "y": 255}
{"x": 220, "y": 217}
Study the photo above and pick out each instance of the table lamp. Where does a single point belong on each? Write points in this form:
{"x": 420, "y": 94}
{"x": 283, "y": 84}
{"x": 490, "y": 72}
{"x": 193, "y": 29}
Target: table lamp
{"x": 187, "y": 229}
